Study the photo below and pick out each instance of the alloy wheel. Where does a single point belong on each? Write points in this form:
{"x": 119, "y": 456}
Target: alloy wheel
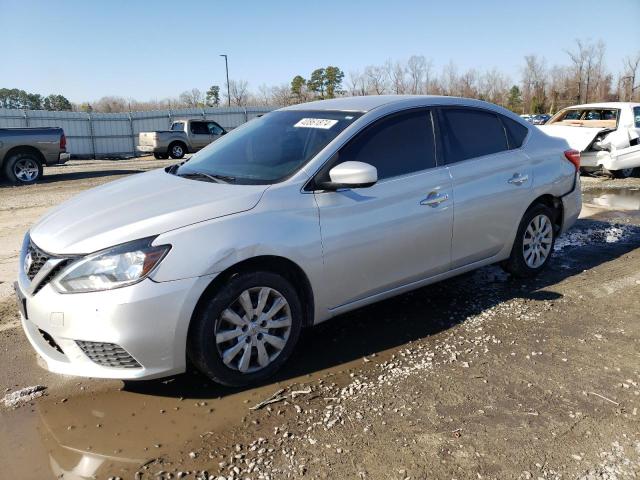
{"x": 177, "y": 151}
{"x": 253, "y": 330}
{"x": 26, "y": 169}
{"x": 538, "y": 238}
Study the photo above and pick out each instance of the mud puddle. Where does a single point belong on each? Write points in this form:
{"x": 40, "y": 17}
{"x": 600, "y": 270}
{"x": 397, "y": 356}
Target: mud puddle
{"x": 618, "y": 199}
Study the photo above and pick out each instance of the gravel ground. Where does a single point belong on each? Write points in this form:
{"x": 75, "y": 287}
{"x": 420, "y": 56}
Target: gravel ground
{"x": 480, "y": 376}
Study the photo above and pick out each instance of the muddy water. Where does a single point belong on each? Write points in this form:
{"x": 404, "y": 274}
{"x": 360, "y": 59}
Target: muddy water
{"x": 621, "y": 199}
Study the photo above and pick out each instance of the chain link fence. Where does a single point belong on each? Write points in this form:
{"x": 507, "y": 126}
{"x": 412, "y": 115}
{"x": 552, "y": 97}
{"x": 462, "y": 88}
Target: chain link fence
{"x": 115, "y": 135}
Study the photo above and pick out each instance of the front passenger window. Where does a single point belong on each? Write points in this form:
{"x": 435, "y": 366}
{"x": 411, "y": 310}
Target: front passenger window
{"x": 470, "y": 133}
{"x": 199, "y": 128}
{"x": 396, "y": 145}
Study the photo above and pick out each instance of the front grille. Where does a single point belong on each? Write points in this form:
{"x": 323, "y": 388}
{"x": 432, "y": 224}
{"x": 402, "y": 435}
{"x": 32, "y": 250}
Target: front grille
{"x": 108, "y": 354}
{"x": 38, "y": 259}
{"x": 54, "y": 271}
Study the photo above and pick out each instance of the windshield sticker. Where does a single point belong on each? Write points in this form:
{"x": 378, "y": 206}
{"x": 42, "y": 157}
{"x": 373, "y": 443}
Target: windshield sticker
{"x": 323, "y": 123}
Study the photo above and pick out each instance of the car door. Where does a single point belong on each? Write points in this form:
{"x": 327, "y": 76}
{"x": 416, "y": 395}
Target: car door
{"x": 399, "y": 230}
{"x": 215, "y": 131}
{"x": 199, "y": 135}
{"x": 492, "y": 180}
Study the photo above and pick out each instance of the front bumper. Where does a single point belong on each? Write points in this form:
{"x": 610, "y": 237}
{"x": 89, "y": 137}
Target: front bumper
{"x": 148, "y": 320}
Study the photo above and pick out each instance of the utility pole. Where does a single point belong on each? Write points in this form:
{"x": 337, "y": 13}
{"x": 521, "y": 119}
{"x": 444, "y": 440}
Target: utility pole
{"x": 226, "y": 65}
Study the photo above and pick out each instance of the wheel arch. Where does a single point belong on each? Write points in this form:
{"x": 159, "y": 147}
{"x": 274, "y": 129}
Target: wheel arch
{"x": 266, "y": 263}
{"x": 24, "y": 149}
{"x": 555, "y": 204}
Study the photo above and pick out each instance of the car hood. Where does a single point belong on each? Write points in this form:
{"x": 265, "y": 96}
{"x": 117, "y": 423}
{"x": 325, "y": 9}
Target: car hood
{"x": 138, "y": 206}
{"x": 578, "y": 138}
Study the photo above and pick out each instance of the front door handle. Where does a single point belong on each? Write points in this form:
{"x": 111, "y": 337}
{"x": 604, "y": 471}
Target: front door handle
{"x": 434, "y": 199}
{"x": 518, "y": 179}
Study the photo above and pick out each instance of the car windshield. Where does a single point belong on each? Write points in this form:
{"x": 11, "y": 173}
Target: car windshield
{"x": 268, "y": 149}
{"x": 587, "y": 117}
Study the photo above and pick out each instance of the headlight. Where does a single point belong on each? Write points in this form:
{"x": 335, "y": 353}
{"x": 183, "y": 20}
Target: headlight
{"x": 114, "y": 267}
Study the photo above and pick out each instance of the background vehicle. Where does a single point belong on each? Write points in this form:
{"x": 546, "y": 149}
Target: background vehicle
{"x": 541, "y": 119}
{"x": 24, "y": 151}
{"x": 605, "y": 134}
{"x": 184, "y": 136}
{"x": 527, "y": 117}
{"x": 300, "y": 215}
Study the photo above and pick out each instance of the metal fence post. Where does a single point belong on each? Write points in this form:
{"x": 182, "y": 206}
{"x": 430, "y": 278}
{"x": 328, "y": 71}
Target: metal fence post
{"x": 93, "y": 140}
{"x": 246, "y": 116}
{"x": 26, "y": 118}
{"x": 133, "y": 138}
{"x": 169, "y": 119}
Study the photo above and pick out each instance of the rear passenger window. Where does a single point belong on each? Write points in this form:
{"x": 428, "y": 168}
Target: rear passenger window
{"x": 396, "y": 145}
{"x": 516, "y": 132}
{"x": 177, "y": 126}
{"x": 470, "y": 133}
{"x": 199, "y": 128}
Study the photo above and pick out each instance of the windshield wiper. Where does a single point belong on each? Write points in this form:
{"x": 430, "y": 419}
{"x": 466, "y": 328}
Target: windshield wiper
{"x": 212, "y": 177}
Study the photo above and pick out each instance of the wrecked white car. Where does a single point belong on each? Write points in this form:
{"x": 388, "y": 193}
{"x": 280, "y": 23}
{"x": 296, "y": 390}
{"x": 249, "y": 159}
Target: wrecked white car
{"x": 605, "y": 134}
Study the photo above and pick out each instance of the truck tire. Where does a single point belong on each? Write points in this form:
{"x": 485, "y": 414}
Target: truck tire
{"x": 624, "y": 173}
{"x": 177, "y": 150}
{"x": 23, "y": 168}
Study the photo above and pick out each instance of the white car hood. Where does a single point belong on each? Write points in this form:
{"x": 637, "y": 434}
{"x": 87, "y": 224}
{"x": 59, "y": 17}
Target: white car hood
{"x": 578, "y": 138}
{"x": 138, "y": 206}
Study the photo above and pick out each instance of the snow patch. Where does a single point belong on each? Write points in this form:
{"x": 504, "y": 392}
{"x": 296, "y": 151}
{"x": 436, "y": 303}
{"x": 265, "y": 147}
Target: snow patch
{"x": 611, "y": 234}
{"x": 23, "y": 395}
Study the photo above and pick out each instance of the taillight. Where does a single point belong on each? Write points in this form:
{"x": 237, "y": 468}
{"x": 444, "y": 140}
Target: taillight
{"x": 574, "y": 157}
{"x": 63, "y": 142}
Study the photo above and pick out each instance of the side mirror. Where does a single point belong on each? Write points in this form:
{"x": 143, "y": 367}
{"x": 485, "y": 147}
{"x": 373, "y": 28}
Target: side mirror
{"x": 351, "y": 175}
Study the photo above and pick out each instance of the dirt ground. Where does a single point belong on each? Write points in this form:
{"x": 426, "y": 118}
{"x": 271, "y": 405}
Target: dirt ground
{"x": 478, "y": 377}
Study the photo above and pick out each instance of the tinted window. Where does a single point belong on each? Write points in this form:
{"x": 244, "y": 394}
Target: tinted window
{"x": 470, "y": 133}
{"x": 199, "y": 128}
{"x": 636, "y": 116}
{"x": 396, "y": 145}
{"x": 214, "y": 128}
{"x": 177, "y": 126}
{"x": 516, "y": 132}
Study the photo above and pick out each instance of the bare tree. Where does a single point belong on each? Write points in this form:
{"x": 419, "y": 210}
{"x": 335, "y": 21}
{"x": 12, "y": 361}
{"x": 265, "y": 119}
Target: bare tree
{"x": 416, "y": 69}
{"x": 397, "y": 77}
{"x": 629, "y": 77}
{"x": 192, "y": 98}
{"x": 356, "y": 84}
{"x": 533, "y": 82}
{"x": 238, "y": 90}
{"x": 374, "y": 75}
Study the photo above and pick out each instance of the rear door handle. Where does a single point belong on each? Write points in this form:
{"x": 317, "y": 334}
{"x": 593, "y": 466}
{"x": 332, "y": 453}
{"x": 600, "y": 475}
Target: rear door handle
{"x": 434, "y": 199}
{"x": 518, "y": 179}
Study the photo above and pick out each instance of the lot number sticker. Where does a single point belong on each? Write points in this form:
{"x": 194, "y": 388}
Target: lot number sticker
{"x": 322, "y": 123}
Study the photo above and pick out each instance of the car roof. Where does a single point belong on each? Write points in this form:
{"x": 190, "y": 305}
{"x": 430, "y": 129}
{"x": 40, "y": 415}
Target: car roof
{"x": 606, "y": 105}
{"x": 369, "y": 102}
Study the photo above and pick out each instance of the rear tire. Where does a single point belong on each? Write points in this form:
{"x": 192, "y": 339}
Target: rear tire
{"x": 533, "y": 246}
{"x": 223, "y": 327}
{"x": 624, "y": 173}
{"x": 177, "y": 150}
{"x": 23, "y": 169}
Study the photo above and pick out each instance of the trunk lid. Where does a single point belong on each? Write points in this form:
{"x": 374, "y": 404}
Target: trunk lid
{"x": 579, "y": 138}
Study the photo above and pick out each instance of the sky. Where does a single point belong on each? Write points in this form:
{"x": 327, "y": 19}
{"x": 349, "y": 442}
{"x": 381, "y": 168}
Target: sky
{"x": 86, "y": 49}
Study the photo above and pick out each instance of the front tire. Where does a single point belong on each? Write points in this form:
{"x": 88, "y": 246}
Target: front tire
{"x": 246, "y": 331}
{"x": 23, "y": 169}
{"x": 533, "y": 246}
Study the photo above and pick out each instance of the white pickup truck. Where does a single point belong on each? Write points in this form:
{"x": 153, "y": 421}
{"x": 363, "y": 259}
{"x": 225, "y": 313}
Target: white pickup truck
{"x": 605, "y": 134}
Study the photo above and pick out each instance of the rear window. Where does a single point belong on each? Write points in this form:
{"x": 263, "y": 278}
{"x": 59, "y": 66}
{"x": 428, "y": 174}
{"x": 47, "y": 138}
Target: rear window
{"x": 470, "y": 133}
{"x": 636, "y": 116}
{"x": 177, "y": 126}
{"x": 516, "y": 132}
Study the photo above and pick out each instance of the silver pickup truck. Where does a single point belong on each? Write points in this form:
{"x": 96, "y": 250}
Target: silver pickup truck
{"x": 184, "y": 136}
{"x": 24, "y": 152}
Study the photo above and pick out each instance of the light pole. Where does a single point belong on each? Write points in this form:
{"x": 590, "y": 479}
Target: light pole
{"x": 226, "y": 66}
